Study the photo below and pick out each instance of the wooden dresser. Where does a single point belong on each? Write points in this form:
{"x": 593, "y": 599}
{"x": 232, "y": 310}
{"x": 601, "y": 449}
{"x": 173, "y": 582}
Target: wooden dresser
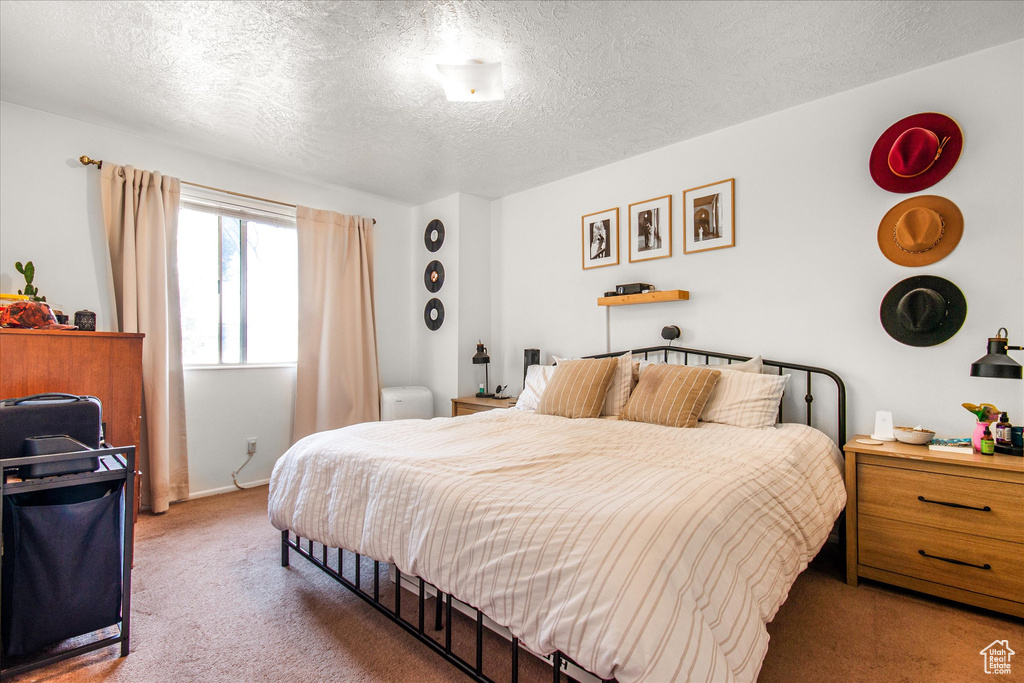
{"x": 947, "y": 524}
{"x": 467, "y": 405}
{"x": 107, "y": 365}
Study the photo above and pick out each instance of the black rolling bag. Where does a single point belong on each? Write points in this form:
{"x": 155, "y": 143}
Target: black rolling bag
{"x": 50, "y": 423}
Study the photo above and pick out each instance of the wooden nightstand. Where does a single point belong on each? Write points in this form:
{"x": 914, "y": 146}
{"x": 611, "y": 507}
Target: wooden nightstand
{"x": 467, "y": 405}
{"x": 947, "y": 524}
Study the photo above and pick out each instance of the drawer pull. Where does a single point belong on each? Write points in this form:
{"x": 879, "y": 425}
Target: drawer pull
{"x": 954, "y": 505}
{"x": 952, "y": 561}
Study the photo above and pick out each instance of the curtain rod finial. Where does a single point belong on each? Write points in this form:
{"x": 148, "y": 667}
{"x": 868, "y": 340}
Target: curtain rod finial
{"x": 87, "y": 161}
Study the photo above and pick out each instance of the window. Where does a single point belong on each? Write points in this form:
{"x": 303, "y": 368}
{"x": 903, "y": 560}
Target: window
{"x": 238, "y": 281}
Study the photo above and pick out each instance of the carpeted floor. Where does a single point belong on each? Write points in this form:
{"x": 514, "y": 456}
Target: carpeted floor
{"x": 212, "y": 603}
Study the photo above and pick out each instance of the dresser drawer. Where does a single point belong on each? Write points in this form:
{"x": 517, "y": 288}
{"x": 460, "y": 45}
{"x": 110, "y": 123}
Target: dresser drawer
{"x": 896, "y": 547}
{"x": 943, "y": 501}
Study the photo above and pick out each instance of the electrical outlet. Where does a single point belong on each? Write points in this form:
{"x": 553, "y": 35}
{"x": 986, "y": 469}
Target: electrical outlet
{"x": 251, "y": 445}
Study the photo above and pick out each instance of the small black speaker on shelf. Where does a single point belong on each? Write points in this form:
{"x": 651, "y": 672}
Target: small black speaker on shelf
{"x": 530, "y": 357}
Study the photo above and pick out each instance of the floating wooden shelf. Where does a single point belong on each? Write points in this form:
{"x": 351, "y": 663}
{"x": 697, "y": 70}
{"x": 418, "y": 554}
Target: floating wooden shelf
{"x": 648, "y": 298}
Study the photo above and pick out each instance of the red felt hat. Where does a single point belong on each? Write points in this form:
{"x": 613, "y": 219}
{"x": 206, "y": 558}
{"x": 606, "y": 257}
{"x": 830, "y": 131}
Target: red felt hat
{"x": 916, "y": 152}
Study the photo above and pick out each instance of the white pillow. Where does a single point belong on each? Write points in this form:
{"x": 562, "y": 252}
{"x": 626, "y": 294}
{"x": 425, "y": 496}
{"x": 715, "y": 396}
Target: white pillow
{"x": 620, "y": 388}
{"x": 753, "y": 365}
{"x": 745, "y": 399}
{"x": 537, "y": 377}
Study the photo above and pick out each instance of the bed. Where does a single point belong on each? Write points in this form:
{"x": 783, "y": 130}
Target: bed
{"x": 634, "y": 551}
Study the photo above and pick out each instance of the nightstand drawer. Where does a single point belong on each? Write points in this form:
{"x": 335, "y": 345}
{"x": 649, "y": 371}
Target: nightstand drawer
{"x": 943, "y": 501}
{"x": 469, "y": 409}
{"x": 468, "y": 405}
{"x": 896, "y": 547}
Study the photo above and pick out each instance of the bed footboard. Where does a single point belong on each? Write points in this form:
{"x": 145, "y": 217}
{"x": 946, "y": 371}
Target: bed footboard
{"x": 333, "y": 562}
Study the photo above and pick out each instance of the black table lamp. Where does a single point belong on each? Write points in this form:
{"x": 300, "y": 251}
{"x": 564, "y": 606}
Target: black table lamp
{"x": 481, "y": 358}
{"x": 996, "y": 363}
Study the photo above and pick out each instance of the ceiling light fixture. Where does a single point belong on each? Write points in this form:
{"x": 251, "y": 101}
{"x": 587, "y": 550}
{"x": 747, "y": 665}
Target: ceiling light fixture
{"x": 472, "y": 81}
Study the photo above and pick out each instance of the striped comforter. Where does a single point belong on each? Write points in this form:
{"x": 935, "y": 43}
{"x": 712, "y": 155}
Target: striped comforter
{"x": 645, "y": 553}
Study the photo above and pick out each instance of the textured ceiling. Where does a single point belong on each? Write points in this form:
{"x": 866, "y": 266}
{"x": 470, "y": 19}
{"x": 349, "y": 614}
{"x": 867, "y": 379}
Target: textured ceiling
{"x": 339, "y": 91}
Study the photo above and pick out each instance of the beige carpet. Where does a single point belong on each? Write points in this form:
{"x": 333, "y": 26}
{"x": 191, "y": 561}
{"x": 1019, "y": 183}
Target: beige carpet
{"x": 212, "y": 603}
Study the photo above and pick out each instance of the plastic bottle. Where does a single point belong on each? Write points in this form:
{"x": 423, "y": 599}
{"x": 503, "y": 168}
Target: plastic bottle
{"x": 1003, "y": 431}
{"x": 988, "y": 444}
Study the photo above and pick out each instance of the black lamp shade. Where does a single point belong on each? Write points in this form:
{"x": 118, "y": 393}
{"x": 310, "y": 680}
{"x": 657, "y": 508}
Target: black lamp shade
{"x": 996, "y": 363}
{"x": 481, "y": 357}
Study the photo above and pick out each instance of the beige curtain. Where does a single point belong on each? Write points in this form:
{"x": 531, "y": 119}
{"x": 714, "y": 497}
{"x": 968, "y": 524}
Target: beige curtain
{"x": 337, "y": 382}
{"x": 140, "y": 210}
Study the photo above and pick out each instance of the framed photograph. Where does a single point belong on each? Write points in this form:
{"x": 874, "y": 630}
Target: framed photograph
{"x": 709, "y": 220}
{"x": 650, "y": 229}
{"x": 601, "y": 239}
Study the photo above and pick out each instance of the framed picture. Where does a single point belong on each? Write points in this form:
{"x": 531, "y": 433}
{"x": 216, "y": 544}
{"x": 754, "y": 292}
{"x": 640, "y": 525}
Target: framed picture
{"x": 650, "y": 229}
{"x": 709, "y": 220}
{"x": 601, "y": 239}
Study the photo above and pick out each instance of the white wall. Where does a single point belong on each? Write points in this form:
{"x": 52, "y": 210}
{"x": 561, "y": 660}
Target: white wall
{"x": 219, "y": 423}
{"x": 50, "y": 213}
{"x": 474, "y": 293}
{"x": 806, "y": 277}
{"x": 444, "y": 357}
{"x": 435, "y": 352}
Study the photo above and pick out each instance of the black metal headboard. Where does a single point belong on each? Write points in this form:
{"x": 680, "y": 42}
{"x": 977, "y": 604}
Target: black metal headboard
{"x": 808, "y": 372}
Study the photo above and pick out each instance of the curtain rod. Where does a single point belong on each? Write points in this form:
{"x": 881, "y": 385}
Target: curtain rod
{"x": 98, "y": 163}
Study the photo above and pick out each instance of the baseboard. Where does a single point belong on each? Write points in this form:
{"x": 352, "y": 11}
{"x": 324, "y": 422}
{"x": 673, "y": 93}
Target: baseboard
{"x": 226, "y": 489}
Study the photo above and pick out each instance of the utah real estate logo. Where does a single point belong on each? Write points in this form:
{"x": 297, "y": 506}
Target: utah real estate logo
{"x": 997, "y": 657}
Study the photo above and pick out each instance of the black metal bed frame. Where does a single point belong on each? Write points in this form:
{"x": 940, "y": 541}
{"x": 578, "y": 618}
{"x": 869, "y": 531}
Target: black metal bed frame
{"x": 442, "y": 615}
{"x": 560, "y": 663}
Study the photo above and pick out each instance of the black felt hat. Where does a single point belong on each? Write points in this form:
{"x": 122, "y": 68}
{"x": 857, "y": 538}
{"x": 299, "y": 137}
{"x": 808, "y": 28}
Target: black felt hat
{"x": 924, "y": 310}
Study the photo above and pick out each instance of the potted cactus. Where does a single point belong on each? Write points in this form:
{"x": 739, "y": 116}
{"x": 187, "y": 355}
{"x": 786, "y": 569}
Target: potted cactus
{"x": 29, "y": 271}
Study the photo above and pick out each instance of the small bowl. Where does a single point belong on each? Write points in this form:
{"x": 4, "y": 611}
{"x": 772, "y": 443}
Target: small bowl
{"x": 915, "y": 437}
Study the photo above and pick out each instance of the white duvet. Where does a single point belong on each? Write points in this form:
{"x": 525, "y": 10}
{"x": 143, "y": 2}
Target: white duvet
{"x": 644, "y": 553}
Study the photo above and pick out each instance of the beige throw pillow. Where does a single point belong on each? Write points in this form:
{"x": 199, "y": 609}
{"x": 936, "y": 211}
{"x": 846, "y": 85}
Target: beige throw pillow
{"x": 578, "y": 387}
{"x": 744, "y": 399}
{"x": 671, "y": 395}
{"x": 755, "y": 364}
{"x": 620, "y": 387}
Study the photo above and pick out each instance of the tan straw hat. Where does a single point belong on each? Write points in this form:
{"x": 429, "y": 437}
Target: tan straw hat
{"x": 920, "y": 230}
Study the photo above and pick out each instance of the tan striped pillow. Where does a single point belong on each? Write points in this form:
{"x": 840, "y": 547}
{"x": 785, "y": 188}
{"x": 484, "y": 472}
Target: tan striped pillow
{"x": 671, "y": 395}
{"x": 744, "y": 399}
{"x": 578, "y": 388}
{"x": 620, "y": 387}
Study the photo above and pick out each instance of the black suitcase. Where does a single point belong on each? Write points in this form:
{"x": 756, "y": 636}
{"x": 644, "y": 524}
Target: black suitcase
{"x": 24, "y": 420}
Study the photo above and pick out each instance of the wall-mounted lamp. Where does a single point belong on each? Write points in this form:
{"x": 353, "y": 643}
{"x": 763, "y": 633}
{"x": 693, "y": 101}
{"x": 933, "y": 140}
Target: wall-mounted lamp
{"x": 996, "y": 363}
{"x": 671, "y": 332}
{"x": 481, "y": 358}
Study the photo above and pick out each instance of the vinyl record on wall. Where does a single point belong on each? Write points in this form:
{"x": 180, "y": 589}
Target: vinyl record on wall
{"x": 433, "y": 237}
{"x": 433, "y": 276}
{"x": 433, "y": 314}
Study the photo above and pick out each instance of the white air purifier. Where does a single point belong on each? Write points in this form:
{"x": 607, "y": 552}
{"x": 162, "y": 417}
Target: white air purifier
{"x": 406, "y": 403}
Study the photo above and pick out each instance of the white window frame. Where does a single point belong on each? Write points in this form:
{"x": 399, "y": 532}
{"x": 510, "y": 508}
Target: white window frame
{"x": 247, "y": 209}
